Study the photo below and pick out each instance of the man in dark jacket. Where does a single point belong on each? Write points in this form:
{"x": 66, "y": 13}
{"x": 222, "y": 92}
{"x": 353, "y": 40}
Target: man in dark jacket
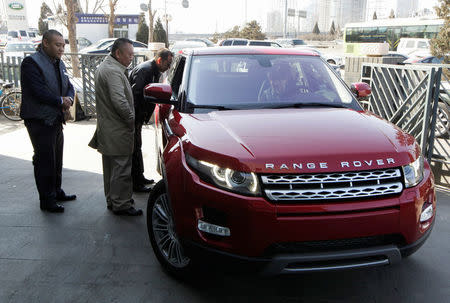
{"x": 46, "y": 93}
{"x": 143, "y": 74}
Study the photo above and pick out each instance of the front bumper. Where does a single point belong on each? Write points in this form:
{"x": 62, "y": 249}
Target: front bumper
{"x": 257, "y": 225}
{"x": 312, "y": 262}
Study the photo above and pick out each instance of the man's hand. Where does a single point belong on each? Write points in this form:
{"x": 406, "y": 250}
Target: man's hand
{"x": 67, "y": 102}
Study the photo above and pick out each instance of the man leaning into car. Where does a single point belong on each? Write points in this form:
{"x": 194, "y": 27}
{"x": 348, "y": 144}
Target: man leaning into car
{"x": 143, "y": 74}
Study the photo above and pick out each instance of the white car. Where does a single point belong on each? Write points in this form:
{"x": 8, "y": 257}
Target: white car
{"x": 17, "y": 49}
{"x": 104, "y": 46}
{"x": 178, "y": 46}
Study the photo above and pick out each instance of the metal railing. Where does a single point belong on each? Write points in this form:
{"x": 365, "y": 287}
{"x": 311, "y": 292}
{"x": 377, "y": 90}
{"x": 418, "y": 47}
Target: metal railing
{"x": 84, "y": 84}
{"x": 415, "y": 98}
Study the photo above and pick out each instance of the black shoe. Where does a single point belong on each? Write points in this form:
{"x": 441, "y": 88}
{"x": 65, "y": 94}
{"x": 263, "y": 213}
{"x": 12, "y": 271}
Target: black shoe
{"x": 142, "y": 188}
{"x": 66, "y": 197}
{"x": 109, "y": 207}
{"x": 147, "y": 181}
{"x": 128, "y": 212}
{"x": 53, "y": 208}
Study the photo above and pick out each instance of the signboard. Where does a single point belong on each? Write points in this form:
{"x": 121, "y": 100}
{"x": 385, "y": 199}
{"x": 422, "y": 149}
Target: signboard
{"x": 103, "y": 19}
{"x": 302, "y": 14}
{"x": 291, "y": 12}
{"x": 16, "y": 14}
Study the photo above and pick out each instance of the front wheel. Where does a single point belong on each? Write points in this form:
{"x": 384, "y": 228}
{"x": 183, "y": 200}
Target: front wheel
{"x": 163, "y": 237}
{"x": 11, "y": 105}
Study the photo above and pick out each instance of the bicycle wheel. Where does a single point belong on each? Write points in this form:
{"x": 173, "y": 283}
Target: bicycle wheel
{"x": 11, "y": 105}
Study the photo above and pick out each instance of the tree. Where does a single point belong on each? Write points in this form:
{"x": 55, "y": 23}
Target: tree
{"x": 159, "y": 34}
{"x": 142, "y": 32}
{"x": 374, "y": 16}
{"x": 392, "y": 14}
{"x": 151, "y": 21}
{"x": 112, "y": 17}
{"x": 440, "y": 46}
{"x": 233, "y": 33}
{"x": 332, "y": 29}
{"x": 99, "y": 5}
{"x": 45, "y": 12}
{"x": 316, "y": 29}
{"x": 70, "y": 23}
{"x": 252, "y": 31}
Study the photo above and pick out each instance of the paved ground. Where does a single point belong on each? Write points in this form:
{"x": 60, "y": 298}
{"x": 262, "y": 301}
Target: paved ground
{"x": 89, "y": 255}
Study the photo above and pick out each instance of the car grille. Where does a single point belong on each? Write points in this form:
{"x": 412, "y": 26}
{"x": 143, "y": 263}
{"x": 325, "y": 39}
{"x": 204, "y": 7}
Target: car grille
{"x": 334, "y": 245}
{"x": 332, "y": 186}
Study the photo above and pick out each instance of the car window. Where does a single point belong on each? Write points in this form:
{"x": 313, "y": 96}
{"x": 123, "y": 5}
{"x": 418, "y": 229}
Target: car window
{"x": 13, "y": 34}
{"x": 252, "y": 80}
{"x": 23, "y": 33}
{"x": 273, "y": 44}
{"x": 176, "y": 74}
{"x": 31, "y": 34}
{"x": 240, "y": 42}
{"x": 299, "y": 42}
{"x": 259, "y": 43}
{"x": 409, "y": 44}
{"x": 139, "y": 44}
{"x": 435, "y": 60}
{"x": 422, "y": 44}
{"x": 226, "y": 43}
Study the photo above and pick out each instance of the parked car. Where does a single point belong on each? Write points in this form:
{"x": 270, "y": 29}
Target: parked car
{"x": 291, "y": 42}
{"x": 21, "y": 35}
{"x": 103, "y": 46}
{"x": 178, "y": 46}
{"x": 268, "y": 158}
{"x": 428, "y": 59}
{"x": 208, "y": 42}
{"x": 409, "y": 46}
{"x": 81, "y": 42}
{"x": 3, "y": 40}
{"x": 18, "y": 49}
{"x": 243, "y": 42}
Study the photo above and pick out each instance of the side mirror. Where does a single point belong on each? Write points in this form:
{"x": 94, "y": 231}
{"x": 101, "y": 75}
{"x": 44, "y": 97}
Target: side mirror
{"x": 159, "y": 93}
{"x": 361, "y": 90}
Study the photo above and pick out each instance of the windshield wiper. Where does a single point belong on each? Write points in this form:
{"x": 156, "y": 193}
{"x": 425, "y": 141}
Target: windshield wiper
{"x": 306, "y": 104}
{"x": 219, "y": 107}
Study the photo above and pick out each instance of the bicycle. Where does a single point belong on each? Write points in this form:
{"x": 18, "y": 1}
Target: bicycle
{"x": 10, "y": 100}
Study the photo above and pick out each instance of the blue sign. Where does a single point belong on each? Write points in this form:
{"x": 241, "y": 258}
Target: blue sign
{"x": 103, "y": 19}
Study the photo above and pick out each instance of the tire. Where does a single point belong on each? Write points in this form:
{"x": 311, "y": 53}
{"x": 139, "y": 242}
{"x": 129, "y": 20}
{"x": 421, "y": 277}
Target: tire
{"x": 443, "y": 120}
{"x": 11, "y": 105}
{"x": 162, "y": 234}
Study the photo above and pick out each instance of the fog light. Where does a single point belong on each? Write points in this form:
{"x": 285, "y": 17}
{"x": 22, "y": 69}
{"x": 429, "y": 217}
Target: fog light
{"x": 213, "y": 229}
{"x": 427, "y": 213}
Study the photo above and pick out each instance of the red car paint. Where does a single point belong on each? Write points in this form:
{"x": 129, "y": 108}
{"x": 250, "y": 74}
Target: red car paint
{"x": 293, "y": 141}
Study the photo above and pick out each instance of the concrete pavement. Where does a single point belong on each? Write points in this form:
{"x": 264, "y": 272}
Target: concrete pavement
{"x": 89, "y": 255}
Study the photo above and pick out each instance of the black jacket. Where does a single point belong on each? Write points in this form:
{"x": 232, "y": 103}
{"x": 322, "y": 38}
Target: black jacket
{"x": 142, "y": 75}
{"x": 42, "y": 88}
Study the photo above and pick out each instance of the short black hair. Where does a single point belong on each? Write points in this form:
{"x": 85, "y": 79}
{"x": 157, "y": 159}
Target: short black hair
{"x": 163, "y": 53}
{"x": 118, "y": 44}
{"x": 48, "y": 34}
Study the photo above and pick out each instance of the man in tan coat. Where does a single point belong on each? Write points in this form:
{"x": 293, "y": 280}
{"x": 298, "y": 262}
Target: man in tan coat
{"x": 114, "y": 136}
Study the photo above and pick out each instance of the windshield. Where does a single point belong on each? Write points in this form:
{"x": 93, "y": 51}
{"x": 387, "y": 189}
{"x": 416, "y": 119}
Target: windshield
{"x": 101, "y": 44}
{"x": 12, "y": 47}
{"x": 13, "y": 34}
{"x": 260, "y": 81}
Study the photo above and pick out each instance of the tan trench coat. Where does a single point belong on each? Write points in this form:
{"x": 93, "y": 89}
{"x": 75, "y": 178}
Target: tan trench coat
{"x": 114, "y": 135}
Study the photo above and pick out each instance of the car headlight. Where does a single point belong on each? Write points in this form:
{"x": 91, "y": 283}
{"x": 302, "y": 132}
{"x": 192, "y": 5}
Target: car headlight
{"x": 413, "y": 172}
{"x": 228, "y": 179}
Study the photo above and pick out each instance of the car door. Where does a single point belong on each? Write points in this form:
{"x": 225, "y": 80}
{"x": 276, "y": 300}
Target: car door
{"x": 163, "y": 111}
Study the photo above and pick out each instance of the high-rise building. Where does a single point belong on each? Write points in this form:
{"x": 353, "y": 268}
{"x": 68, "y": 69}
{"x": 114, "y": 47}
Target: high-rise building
{"x": 383, "y": 8}
{"x": 341, "y": 12}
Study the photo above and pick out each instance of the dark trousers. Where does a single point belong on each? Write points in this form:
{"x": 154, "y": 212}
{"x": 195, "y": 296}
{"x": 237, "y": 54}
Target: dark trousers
{"x": 137, "y": 166}
{"x": 48, "y": 143}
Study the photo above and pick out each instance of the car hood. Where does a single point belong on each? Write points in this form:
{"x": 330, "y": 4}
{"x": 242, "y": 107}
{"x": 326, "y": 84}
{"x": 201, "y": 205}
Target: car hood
{"x": 314, "y": 139}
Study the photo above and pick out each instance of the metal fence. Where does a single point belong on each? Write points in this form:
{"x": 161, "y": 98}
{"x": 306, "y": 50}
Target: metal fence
{"x": 84, "y": 83}
{"x": 415, "y": 98}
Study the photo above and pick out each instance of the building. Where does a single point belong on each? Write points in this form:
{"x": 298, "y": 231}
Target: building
{"x": 14, "y": 14}
{"x": 95, "y": 26}
{"x": 383, "y": 8}
{"x": 341, "y": 12}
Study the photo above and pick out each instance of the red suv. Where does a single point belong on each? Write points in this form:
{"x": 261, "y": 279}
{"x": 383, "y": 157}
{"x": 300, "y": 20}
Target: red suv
{"x": 266, "y": 156}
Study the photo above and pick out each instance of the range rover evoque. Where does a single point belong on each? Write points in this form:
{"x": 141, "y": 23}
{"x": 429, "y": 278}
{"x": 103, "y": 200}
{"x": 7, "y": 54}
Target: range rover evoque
{"x": 266, "y": 156}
